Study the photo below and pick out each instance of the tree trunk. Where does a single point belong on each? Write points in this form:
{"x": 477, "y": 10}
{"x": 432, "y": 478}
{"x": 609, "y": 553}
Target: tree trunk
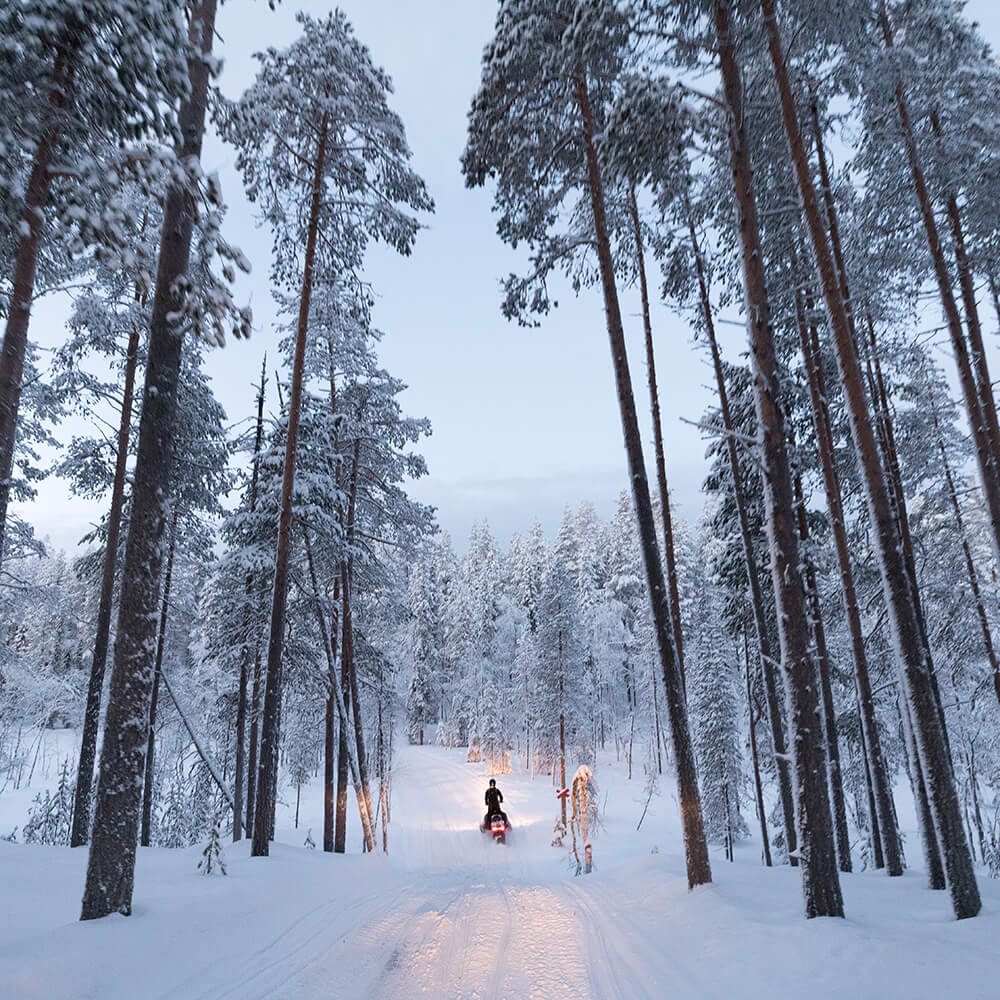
{"x": 239, "y": 776}
{"x": 347, "y": 656}
{"x": 758, "y": 789}
{"x": 875, "y": 833}
{"x": 383, "y": 791}
{"x": 829, "y": 712}
{"x": 270, "y": 731}
{"x": 382, "y": 763}
{"x": 696, "y": 848}
{"x": 925, "y": 818}
{"x": 111, "y": 863}
{"x": 246, "y": 659}
{"x": 15, "y": 338}
{"x": 900, "y": 600}
{"x": 814, "y": 824}
{"x": 346, "y": 583}
{"x": 364, "y": 811}
{"x": 92, "y": 713}
{"x": 656, "y": 723}
{"x": 661, "y": 464}
{"x": 562, "y": 738}
{"x": 881, "y": 788}
{"x": 347, "y": 651}
{"x": 781, "y": 758}
{"x": 974, "y": 790}
{"x": 161, "y": 641}
{"x": 252, "y": 769}
{"x": 340, "y": 820}
{"x": 330, "y": 733}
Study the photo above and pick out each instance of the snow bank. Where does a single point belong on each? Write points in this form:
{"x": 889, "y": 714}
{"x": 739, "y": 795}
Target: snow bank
{"x": 450, "y": 914}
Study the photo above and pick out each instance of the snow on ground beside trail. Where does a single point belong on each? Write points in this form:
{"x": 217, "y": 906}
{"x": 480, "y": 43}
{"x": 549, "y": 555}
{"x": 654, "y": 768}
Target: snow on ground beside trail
{"x": 451, "y": 915}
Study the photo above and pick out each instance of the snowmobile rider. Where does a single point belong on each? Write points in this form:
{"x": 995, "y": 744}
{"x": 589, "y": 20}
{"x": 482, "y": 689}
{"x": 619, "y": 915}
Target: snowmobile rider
{"x": 493, "y": 799}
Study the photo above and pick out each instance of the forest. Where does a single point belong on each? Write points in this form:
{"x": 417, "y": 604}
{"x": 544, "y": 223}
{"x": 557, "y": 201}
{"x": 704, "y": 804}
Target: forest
{"x": 266, "y": 611}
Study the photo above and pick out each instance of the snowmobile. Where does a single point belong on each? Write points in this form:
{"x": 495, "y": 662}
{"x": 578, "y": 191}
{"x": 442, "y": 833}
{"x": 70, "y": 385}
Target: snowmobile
{"x": 497, "y": 827}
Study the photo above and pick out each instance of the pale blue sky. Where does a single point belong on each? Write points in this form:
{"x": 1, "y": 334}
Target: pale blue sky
{"x": 525, "y": 421}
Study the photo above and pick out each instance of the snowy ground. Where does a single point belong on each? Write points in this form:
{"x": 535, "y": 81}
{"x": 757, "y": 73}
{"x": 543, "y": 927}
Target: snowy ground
{"x": 450, "y": 915}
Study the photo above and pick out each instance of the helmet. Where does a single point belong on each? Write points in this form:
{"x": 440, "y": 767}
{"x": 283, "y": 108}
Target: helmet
{"x": 493, "y": 782}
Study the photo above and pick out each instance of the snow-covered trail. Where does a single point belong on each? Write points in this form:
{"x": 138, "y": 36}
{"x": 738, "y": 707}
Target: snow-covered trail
{"x": 482, "y": 921}
{"x": 450, "y": 915}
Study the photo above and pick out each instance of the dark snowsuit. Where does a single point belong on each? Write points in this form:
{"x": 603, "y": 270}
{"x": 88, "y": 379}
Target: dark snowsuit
{"x": 493, "y": 799}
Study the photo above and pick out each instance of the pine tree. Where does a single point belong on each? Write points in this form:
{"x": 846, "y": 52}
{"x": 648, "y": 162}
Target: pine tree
{"x": 567, "y": 53}
{"x": 425, "y": 649}
{"x": 912, "y": 654}
{"x": 331, "y": 163}
{"x": 213, "y": 858}
{"x": 111, "y": 863}
{"x": 560, "y": 705}
{"x": 81, "y": 76}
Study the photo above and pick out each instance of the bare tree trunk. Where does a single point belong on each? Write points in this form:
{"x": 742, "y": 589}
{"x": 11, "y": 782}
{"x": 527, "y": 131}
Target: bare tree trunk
{"x": 699, "y": 870}
{"x": 881, "y": 789}
{"x": 246, "y": 658}
{"x": 270, "y": 731}
{"x": 562, "y": 737}
{"x": 340, "y": 819}
{"x": 925, "y": 818}
{"x": 330, "y": 730}
{"x": 347, "y": 654}
{"x": 92, "y": 713}
{"x": 15, "y": 338}
{"x": 875, "y": 833}
{"x": 330, "y": 733}
{"x": 900, "y": 600}
{"x": 161, "y": 642}
{"x": 239, "y": 776}
{"x": 384, "y": 800}
{"x": 329, "y": 643}
{"x": 382, "y": 763}
{"x": 814, "y": 823}
{"x": 730, "y": 841}
{"x": 974, "y": 791}
{"x": 758, "y": 788}
{"x": 111, "y": 863}
{"x": 781, "y": 758}
{"x": 826, "y": 691}
{"x": 656, "y": 722}
{"x": 661, "y": 464}
{"x": 252, "y": 769}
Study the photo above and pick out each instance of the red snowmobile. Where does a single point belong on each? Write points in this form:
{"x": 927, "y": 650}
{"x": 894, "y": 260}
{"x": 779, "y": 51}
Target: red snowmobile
{"x": 497, "y": 827}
